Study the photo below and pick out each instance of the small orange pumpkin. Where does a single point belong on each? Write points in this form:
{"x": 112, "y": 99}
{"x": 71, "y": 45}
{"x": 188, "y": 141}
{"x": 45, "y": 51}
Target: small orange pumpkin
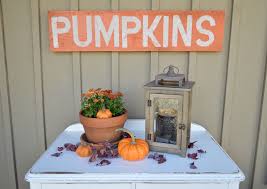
{"x": 83, "y": 151}
{"x": 132, "y": 149}
{"x": 104, "y": 114}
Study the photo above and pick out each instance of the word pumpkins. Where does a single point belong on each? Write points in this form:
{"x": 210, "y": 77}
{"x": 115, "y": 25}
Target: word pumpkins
{"x": 132, "y": 149}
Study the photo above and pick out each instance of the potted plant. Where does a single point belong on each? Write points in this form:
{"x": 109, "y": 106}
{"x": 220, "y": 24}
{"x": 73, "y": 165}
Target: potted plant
{"x": 102, "y": 112}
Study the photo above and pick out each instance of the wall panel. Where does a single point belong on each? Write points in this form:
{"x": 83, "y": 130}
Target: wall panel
{"x": 44, "y": 87}
{"x": 260, "y": 174}
{"x": 28, "y": 143}
{"x": 244, "y": 96}
{"x": 7, "y": 163}
{"x": 58, "y": 85}
{"x": 134, "y": 69}
{"x": 210, "y": 77}
{"x": 95, "y": 66}
{"x": 178, "y": 59}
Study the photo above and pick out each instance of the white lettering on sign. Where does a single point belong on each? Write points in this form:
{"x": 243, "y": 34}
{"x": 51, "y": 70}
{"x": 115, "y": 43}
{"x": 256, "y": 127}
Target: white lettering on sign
{"x": 142, "y": 31}
{"x": 56, "y": 30}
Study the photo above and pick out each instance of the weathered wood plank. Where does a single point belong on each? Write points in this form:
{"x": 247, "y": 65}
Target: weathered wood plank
{"x": 76, "y": 69}
{"x": 259, "y": 178}
{"x": 192, "y": 61}
{"x": 58, "y": 78}
{"x": 179, "y": 59}
{"x": 154, "y": 57}
{"x": 39, "y": 113}
{"x": 97, "y": 67}
{"x": 22, "y": 66}
{"x": 134, "y": 69}
{"x": 243, "y": 95}
{"x": 7, "y": 157}
{"x": 115, "y": 57}
{"x": 209, "y": 72}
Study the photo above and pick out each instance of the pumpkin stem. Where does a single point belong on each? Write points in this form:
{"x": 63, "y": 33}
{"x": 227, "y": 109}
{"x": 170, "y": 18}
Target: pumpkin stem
{"x": 129, "y": 132}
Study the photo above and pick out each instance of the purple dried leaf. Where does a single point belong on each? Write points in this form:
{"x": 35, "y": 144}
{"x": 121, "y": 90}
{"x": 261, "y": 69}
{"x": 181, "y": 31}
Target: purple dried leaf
{"x": 103, "y": 162}
{"x": 93, "y": 148}
{"x": 157, "y": 157}
{"x": 71, "y": 147}
{"x": 201, "y": 151}
{"x": 115, "y": 153}
{"x": 60, "y": 148}
{"x": 161, "y": 160}
{"x": 67, "y": 144}
{"x": 160, "y": 156}
{"x": 107, "y": 145}
{"x": 102, "y": 153}
{"x": 57, "y": 154}
{"x": 191, "y": 144}
{"x": 93, "y": 157}
{"x": 150, "y": 156}
{"x": 192, "y": 156}
{"x": 193, "y": 166}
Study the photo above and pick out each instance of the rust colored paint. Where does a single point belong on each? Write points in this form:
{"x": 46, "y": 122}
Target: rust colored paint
{"x": 136, "y": 30}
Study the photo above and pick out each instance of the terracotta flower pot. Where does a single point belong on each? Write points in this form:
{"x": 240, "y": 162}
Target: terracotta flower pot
{"x": 103, "y": 130}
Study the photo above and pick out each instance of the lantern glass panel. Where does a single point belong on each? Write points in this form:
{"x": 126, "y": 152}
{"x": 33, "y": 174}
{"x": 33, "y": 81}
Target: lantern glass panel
{"x": 167, "y": 113}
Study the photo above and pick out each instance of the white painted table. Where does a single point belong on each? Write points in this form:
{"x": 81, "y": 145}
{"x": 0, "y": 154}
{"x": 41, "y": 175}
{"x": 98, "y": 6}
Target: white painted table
{"x": 215, "y": 168}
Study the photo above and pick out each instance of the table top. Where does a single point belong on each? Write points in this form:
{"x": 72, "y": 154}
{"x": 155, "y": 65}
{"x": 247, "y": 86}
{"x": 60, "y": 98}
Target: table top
{"x": 214, "y": 165}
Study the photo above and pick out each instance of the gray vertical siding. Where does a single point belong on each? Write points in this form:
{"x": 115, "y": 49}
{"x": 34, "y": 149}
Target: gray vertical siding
{"x": 40, "y": 90}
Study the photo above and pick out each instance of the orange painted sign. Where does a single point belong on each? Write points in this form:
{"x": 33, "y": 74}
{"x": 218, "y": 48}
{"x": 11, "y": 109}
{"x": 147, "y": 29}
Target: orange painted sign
{"x": 136, "y": 30}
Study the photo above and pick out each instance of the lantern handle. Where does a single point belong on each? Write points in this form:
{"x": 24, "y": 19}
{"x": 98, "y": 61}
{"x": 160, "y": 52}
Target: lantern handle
{"x": 172, "y": 68}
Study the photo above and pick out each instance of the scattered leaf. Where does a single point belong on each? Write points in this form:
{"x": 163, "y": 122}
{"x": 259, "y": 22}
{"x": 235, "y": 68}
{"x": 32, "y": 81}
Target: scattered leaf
{"x": 201, "y": 151}
{"x": 60, "y": 148}
{"x": 102, "y": 153}
{"x": 192, "y": 156}
{"x": 103, "y": 162}
{"x": 57, "y": 154}
{"x": 67, "y": 144}
{"x": 108, "y": 151}
{"x": 70, "y": 147}
{"x": 150, "y": 156}
{"x": 193, "y": 166}
{"x": 191, "y": 144}
{"x": 160, "y": 158}
{"x": 93, "y": 157}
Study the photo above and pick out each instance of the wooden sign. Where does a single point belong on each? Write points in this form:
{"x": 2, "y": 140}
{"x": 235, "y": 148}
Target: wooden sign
{"x": 136, "y": 30}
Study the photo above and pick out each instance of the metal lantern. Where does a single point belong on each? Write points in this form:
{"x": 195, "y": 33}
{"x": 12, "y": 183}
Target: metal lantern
{"x": 168, "y": 112}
